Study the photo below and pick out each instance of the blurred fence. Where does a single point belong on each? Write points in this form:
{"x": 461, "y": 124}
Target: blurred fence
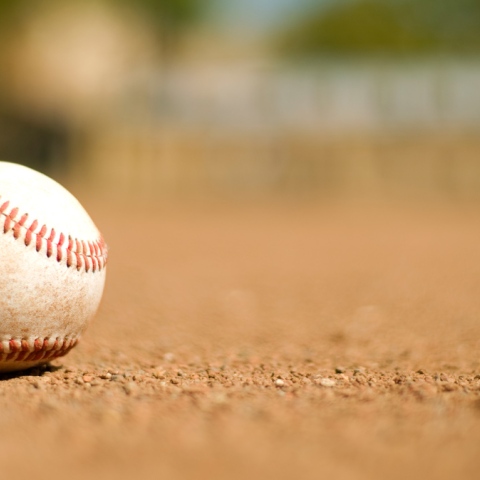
{"x": 335, "y": 129}
{"x": 184, "y": 162}
{"x": 329, "y": 97}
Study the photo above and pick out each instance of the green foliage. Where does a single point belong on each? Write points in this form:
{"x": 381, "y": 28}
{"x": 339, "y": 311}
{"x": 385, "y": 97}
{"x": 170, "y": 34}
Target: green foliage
{"x": 171, "y": 14}
{"x": 169, "y": 18}
{"x": 9, "y": 8}
{"x": 387, "y": 27}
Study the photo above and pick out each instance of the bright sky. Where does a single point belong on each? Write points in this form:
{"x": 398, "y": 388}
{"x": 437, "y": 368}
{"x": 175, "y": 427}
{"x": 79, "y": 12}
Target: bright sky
{"x": 254, "y": 14}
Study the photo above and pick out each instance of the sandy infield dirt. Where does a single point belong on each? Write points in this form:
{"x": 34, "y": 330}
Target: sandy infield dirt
{"x": 280, "y": 340}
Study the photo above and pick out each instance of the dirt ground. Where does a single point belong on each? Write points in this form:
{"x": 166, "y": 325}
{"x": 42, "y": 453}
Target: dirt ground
{"x": 271, "y": 340}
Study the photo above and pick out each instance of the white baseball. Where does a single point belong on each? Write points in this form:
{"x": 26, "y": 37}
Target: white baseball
{"x": 52, "y": 268}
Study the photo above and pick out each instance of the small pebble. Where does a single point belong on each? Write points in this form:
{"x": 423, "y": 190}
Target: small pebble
{"x": 130, "y": 388}
{"x": 169, "y": 357}
{"x": 279, "y": 382}
{"x": 327, "y": 382}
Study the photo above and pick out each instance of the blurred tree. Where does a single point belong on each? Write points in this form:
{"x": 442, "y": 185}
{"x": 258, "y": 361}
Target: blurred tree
{"x": 170, "y": 18}
{"x": 7, "y": 7}
{"x": 386, "y": 27}
{"x": 10, "y": 11}
{"x": 176, "y": 13}
{"x": 64, "y": 63}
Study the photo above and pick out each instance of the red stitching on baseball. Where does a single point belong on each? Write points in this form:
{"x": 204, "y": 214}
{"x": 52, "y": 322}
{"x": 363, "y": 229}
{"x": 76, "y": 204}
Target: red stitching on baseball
{"x": 90, "y": 255}
{"x": 23, "y": 350}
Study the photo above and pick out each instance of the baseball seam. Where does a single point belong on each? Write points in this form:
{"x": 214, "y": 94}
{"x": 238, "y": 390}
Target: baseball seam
{"x": 89, "y": 255}
{"x": 35, "y": 350}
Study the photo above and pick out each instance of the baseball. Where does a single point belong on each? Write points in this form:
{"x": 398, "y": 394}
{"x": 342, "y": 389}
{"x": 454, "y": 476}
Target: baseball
{"x": 52, "y": 268}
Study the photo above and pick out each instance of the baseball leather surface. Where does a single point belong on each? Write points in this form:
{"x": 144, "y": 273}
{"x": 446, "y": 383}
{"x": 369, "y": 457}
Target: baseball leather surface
{"x": 52, "y": 268}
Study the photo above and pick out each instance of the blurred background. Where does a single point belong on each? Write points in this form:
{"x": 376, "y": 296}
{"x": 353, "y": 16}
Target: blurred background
{"x": 334, "y": 150}
{"x": 244, "y": 97}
